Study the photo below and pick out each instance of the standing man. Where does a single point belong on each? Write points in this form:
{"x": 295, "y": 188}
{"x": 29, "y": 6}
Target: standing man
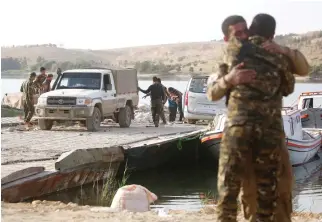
{"x": 166, "y": 95}
{"x": 46, "y": 85}
{"x": 237, "y": 76}
{"x": 177, "y": 96}
{"x": 157, "y": 97}
{"x": 40, "y": 80}
{"x": 28, "y": 100}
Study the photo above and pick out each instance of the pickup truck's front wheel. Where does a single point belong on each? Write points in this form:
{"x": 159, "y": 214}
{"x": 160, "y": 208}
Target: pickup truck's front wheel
{"x": 45, "y": 124}
{"x": 93, "y": 123}
{"x": 125, "y": 117}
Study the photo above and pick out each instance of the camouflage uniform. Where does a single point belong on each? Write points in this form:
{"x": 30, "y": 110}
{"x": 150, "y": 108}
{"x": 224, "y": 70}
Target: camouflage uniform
{"x": 39, "y": 83}
{"x": 254, "y": 130}
{"x": 215, "y": 92}
{"x": 22, "y": 85}
{"x": 284, "y": 204}
{"x": 28, "y": 101}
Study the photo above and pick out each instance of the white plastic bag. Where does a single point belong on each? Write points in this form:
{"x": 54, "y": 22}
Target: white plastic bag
{"x": 133, "y": 198}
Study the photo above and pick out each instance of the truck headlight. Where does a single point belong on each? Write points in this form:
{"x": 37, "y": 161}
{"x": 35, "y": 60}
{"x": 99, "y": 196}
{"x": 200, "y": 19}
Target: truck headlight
{"x": 42, "y": 101}
{"x": 84, "y": 101}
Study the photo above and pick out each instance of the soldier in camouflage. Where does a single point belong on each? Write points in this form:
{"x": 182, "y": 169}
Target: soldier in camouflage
{"x": 285, "y": 177}
{"x": 28, "y": 100}
{"x": 32, "y": 77}
{"x": 39, "y": 82}
{"x": 217, "y": 88}
{"x": 238, "y": 128}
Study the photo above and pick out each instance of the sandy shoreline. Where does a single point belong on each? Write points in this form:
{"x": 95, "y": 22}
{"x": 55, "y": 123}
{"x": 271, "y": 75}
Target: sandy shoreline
{"x": 57, "y": 211}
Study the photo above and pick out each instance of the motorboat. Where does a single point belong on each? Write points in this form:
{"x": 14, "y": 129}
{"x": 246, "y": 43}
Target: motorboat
{"x": 310, "y": 104}
{"x": 302, "y": 144}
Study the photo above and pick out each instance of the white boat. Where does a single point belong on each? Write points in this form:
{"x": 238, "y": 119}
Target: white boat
{"x": 310, "y": 104}
{"x": 302, "y": 145}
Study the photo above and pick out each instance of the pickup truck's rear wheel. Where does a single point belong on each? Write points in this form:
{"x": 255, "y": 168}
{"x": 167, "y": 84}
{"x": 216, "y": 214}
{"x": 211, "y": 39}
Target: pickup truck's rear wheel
{"x": 93, "y": 123}
{"x": 45, "y": 124}
{"x": 125, "y": 116}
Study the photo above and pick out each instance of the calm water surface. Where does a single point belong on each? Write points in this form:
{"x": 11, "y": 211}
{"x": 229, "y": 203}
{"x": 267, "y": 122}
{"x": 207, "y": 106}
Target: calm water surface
{"x": 183, "y": 189}
{"x": 13, "y": 85}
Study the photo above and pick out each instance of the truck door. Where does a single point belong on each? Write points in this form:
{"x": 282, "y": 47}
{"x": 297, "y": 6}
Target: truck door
{"x": 109, "y": 93}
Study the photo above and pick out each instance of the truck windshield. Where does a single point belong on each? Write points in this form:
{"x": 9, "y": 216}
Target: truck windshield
{"x": 82, "y": 80}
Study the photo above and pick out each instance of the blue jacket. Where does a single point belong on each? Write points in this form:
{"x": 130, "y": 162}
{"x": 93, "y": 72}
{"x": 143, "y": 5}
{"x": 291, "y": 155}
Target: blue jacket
{"x": 172, "y": 103}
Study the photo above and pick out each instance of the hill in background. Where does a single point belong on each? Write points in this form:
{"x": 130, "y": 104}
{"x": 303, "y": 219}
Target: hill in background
{"x": 170, "y": 58}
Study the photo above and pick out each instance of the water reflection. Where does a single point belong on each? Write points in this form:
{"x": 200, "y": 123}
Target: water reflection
{"x": 307, "y": 193}
{"x": 182, "y": 188}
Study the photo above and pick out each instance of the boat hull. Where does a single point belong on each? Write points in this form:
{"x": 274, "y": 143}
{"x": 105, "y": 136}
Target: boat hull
{"x": 301, "y": 151}
{"x": 209, "y": 149}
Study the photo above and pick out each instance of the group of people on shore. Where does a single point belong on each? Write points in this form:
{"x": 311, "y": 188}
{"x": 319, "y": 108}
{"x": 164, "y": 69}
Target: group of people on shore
{"x": 34, "y": 85}
{"x": 254, "y": 163}
{"x": 159, "y": 96}
{"x": 253, "y": 160}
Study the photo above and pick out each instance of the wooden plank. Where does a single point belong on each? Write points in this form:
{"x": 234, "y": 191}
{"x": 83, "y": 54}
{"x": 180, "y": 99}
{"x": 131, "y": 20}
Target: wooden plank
{"x": 21, "y": 174}
{"x": 81, "y": 157}
{"x": 163, "y": 139}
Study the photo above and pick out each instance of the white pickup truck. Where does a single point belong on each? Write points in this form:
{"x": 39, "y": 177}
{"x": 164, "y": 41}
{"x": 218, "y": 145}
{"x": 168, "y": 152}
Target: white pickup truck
{"x": 90, "y": 96}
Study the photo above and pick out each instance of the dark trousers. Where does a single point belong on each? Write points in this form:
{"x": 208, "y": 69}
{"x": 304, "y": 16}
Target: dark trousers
{"x": 29, "y": 110}
{"x": 157, "y": 111}
{"x": 172, "y": 113}
{"x": 180, "y": 109}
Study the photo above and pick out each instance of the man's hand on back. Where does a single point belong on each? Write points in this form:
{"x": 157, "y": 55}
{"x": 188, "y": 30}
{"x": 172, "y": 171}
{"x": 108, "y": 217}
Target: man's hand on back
{"x": 239, "y": 76}
{"x": 274, "y": 47}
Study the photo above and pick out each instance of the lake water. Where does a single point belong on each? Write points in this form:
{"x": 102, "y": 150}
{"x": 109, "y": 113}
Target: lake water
{"x": 13, "y": 85}
{"x": 185, "y": 188}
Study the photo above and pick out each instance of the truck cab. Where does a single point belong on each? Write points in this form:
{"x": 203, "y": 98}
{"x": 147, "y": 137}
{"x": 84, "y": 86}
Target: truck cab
{"x": 90, "y": 96}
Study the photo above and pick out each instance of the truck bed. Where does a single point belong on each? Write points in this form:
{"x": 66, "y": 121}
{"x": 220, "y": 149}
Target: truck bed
{"x": 126, "y": 81}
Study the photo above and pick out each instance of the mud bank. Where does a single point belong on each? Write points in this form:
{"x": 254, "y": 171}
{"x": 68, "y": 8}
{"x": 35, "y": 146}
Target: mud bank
{"x": 57, "y": 211}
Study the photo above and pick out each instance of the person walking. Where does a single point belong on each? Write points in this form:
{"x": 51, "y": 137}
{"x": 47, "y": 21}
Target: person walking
{"x": 157, "y": 97}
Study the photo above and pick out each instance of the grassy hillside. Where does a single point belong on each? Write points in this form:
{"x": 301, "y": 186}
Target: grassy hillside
{"x": 181, "y": 57}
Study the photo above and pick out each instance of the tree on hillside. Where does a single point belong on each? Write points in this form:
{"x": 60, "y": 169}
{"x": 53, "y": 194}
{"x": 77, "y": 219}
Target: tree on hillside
{"x": 10, "y": 64}
{"x": 191, "y": 69}
{"x": 40, "y": 59}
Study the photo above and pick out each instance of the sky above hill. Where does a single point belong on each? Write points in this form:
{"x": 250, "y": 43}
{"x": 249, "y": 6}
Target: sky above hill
{"x": 103, "y": 24}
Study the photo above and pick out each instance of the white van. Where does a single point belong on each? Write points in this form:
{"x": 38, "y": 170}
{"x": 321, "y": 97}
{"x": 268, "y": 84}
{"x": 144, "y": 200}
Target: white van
{"x": 196, "y": 105}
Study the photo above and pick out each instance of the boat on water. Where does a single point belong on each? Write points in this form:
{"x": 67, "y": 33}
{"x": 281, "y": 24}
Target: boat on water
{"x": 310, "y": 104}
{"x": 302, "y": 144}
